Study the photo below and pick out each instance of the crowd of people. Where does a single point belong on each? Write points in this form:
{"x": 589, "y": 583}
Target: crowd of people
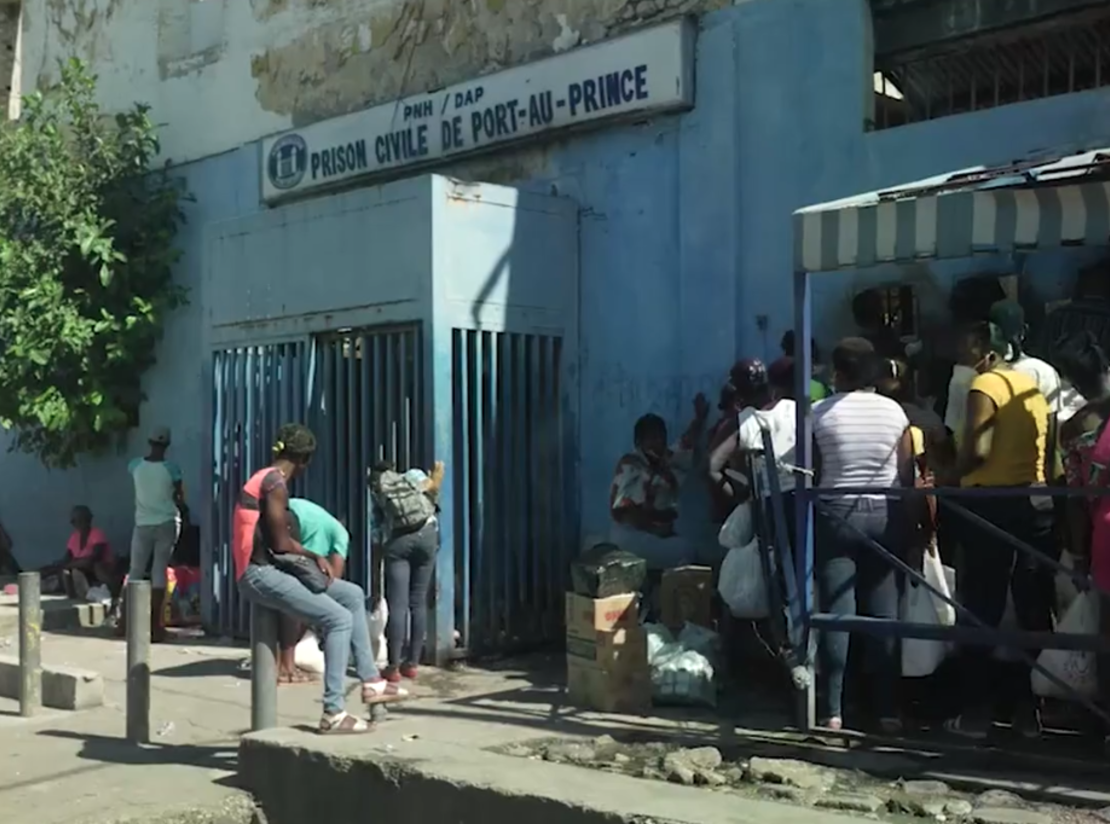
{"x": 1005, "y": 421}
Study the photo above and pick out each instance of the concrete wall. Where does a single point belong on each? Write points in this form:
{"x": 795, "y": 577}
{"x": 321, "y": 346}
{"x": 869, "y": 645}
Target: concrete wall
{"x": 225, "y": 72}
{"x": 685, "y": 231}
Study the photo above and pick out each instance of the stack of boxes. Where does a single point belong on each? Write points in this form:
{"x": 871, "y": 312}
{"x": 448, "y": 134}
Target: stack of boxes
{"x": 607, "y": 666}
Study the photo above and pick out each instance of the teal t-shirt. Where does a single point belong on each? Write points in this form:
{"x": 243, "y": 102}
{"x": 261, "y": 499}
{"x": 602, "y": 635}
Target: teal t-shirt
{"x": 321, "y": 533}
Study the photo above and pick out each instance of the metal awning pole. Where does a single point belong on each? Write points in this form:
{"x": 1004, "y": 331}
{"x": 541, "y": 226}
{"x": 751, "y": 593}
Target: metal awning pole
{"x": 803, "y": 675}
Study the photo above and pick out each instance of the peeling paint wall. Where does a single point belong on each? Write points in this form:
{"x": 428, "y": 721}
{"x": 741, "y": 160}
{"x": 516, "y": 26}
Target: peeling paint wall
{"x": 220, "y": 73}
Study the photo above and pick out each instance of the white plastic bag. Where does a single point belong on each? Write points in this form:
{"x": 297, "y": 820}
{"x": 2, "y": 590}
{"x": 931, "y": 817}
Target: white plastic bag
{"x": 98, "y": 594}
{"x": 377, "y": 619}
{"x": 683, "y": 676}
{"x": 738, "y": 530}
{"x": 307, "y": 655}
{"x": 741, "y": 582}
{"x": 1076, "y": 668}
{"x": 920, "y": 656}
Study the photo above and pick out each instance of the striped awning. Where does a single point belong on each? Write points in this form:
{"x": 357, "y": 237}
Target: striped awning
{"x": 1023, "y": 206}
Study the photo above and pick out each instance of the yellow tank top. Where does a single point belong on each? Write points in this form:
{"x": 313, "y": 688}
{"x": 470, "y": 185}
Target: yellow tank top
{"x": 1020, "y": 426}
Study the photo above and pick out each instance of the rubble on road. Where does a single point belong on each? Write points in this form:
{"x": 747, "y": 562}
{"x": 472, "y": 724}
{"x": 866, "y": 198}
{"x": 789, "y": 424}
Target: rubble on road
{"x": 801, "y": 783}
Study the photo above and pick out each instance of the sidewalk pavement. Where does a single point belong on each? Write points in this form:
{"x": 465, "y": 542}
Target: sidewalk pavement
{"x": 76, "y": 767}
{"x": 67, "y": 767}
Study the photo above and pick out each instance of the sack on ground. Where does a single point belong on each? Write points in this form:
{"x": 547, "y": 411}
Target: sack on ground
{"x": 1076, "y": 668}
{"x": 738, "y": 530}
{"x": 680, "y": 674}
{"x": 406, "y": 504}
{"x": 921, "y": 656}
{"x": 376, "y": 620}
{"x": 742, "y": 585}
{"x": 307, "y": 655}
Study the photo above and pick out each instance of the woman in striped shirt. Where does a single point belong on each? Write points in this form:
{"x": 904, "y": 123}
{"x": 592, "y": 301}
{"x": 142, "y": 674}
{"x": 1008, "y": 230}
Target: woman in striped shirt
{"x": 862, "y": 440}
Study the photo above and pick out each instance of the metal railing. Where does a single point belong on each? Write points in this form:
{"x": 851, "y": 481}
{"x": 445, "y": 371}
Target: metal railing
{"x": 799, "y": 569}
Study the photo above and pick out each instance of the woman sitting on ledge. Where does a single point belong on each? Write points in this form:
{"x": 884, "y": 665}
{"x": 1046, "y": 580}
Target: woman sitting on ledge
{"x": 276, "y": 571}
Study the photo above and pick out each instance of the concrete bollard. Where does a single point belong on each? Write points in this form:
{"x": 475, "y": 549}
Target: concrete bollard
{"x": 30, "y": 643}
{"x": 264, "y": 643}
{"x": 138, "y": 662}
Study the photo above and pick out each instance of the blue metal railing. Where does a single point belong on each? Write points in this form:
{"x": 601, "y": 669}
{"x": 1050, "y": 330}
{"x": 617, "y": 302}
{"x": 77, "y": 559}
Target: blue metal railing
{"x": 800, "y": 620}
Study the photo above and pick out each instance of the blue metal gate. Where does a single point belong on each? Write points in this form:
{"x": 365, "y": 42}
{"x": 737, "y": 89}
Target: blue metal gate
{"x": 513, "y": 528}
{"x": 358, "y": 390}
{"x": 255, "y": 389}
{"x": 510, "y": 521}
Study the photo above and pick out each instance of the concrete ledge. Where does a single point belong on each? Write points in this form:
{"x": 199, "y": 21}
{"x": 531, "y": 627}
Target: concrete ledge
{"x": 63, "y": 688}
{"x": 58, "y": 614}
{"x": 295, "y": 775}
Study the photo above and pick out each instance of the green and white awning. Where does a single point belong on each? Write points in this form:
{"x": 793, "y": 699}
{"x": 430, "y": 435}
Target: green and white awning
{"x": 1024, "y": 206}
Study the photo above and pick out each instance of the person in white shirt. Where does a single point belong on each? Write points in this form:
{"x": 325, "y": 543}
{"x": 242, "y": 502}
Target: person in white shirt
{"x": 771, "y": 407}
{"x": 159, "y": 496}
{"x": 862, "y": 440}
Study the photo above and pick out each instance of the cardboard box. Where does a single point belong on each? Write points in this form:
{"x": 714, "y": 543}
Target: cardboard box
{"x": 594, "y": 687}
{"x": 585, "y": 617}
{"x": 623, "y": 649}
{"x": 686, "y": 594}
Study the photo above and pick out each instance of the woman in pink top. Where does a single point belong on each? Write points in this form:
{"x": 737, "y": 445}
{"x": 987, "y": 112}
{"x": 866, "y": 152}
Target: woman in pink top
{"x": 1085, "y": 443}
{"x": 88, "y": 560}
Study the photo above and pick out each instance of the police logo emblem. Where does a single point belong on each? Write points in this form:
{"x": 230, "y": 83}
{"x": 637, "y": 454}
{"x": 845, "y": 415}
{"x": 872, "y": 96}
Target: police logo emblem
{"x": 288, "y": 160}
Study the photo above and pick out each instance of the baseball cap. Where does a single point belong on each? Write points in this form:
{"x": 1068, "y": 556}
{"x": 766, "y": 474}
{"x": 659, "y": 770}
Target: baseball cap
{"x": 160, "y": 435}
{"x": 1009, "y": 317}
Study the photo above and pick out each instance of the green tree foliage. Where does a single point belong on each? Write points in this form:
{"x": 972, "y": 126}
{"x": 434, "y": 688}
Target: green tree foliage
{"x": 87, "y": 231}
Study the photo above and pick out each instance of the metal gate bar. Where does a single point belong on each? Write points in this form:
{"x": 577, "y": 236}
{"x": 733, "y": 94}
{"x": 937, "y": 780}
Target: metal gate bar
{"x": 363, "y": 410}
{"x": 509, "y": 501}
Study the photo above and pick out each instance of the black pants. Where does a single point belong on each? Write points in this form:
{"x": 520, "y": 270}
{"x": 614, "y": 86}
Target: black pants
{"x": 409, "y": 562}
{"x": 853, "y": 579}
{"x": 990, "y": 567}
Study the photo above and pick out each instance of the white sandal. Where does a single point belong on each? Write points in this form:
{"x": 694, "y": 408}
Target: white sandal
{"x": 382, "y": 692}
{"x": 343, "y": 723}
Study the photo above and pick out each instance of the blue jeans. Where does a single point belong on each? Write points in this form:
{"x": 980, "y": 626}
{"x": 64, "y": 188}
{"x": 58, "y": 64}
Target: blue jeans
{"x": 853, "y": 579}
{"x": 339, "y": 614}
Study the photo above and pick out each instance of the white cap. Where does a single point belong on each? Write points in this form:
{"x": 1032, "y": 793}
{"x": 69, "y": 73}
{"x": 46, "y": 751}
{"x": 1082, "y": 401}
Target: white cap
{"x": 160, "y": 435}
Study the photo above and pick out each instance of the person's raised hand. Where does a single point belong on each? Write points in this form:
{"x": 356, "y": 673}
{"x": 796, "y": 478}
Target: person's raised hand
{"x": 701, "y": 407}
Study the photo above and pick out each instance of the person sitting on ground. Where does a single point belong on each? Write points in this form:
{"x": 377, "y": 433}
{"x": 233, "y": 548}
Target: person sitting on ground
{"x": 643, "y": 496}
{"x": 321, "y": 534}
{"x": 262, "y": 533}
{"x": 88, "y": 559}
{"x": 406, "y": 533}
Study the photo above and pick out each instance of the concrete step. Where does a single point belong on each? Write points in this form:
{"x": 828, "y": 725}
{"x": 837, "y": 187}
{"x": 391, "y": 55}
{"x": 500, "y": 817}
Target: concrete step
{"x": 59, "y": 614}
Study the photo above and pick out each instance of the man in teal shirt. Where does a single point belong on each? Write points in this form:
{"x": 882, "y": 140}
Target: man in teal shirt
{"x": 323, "y": 535}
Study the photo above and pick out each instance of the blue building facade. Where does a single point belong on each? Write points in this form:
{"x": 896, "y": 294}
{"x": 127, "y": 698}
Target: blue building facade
{"x": 685, "y": 245}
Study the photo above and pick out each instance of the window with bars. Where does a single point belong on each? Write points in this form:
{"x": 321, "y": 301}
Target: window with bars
{"x": 1054, "y": 58}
